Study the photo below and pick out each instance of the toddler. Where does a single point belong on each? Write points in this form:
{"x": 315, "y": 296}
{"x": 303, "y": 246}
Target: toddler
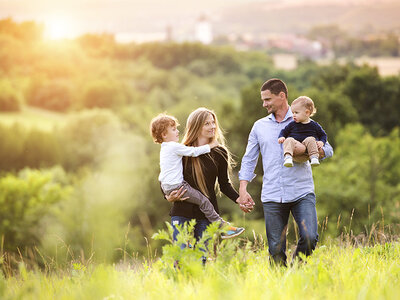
{"x": 304, "y": 130}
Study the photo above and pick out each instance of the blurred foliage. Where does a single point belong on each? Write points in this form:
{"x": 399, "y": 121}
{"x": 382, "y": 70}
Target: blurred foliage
{"x": 335, "y": 38}
{"x": 363, "y": 175}
{"x": 25, "y": 199}
{"x": 10, "y": 98}
{"x": 108, "y": 93}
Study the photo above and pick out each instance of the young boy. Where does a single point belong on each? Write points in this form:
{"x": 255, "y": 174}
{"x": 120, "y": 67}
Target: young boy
{"x": 304, "y": 130}
{"x": 164, "y": 131}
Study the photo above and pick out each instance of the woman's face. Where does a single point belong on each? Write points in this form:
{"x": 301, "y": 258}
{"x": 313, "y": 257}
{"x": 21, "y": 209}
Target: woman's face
{"x": 209, "y": 127}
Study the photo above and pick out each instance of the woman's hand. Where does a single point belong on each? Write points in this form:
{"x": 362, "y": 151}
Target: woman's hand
{"x": 177, "y": 195}
{"x": 245, "y": 205}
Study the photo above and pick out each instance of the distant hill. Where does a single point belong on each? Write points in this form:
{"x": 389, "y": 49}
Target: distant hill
{"x": 264, "y": 16}
{"x": 238, "y": 16}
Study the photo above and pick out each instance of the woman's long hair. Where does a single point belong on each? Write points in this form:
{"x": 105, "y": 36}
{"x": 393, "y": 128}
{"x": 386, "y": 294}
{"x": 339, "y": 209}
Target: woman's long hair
{"x": 194, "y": 125}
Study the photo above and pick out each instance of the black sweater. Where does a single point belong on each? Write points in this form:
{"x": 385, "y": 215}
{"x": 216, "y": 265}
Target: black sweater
{"x": 300, "y": 131}
{"x": 212, "y": 169}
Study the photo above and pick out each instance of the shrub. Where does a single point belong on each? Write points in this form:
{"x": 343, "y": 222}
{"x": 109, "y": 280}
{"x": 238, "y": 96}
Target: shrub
{"x": 10, "y": 99}
{"x": 53, "y": 95}
{"x": 24, "y": 200}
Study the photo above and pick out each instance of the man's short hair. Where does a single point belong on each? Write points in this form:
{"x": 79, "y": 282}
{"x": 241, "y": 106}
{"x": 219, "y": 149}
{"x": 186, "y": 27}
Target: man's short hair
{"x": 275, "y": 86}
{"x": 160, "y": 124}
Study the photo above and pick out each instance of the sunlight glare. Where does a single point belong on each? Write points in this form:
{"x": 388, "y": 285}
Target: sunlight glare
{"x": 59, "y": 27}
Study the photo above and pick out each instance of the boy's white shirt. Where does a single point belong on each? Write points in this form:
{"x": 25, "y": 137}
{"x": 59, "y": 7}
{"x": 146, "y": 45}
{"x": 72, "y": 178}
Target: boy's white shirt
{"x": 171, "y": 160}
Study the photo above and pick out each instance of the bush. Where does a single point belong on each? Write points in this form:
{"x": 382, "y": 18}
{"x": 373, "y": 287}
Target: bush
{"x": 103, "y": 94}
{"x": 28, "y": 148}
{"x": 85, "y": 137}
{"x": 53, "y": 95}
{"x": 25, "y": 199}
{"x": 10, "y": 99}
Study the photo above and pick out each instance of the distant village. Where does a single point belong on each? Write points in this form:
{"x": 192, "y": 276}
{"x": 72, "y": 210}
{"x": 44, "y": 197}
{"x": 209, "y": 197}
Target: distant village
{"x": 285, "y": 48}
{"x": 203, "y": 32}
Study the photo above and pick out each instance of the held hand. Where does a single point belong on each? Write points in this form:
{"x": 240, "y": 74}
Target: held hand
{"x": 214, "y": 144}
{"x": 245, "y": 202}
{"x": 320, "y": 144}
{"x": 177, "y": 195}
{"x": 281, "y": 140}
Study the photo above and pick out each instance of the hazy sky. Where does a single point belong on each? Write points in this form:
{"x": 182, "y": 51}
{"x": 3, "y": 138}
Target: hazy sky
{"x": 110, "y": 15}
{"x": 74, "y": 17}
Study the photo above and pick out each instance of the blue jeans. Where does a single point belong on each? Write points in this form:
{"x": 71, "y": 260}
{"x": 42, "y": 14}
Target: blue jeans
{"x": 276, "y": 220}
{"x": 199, "y": 228}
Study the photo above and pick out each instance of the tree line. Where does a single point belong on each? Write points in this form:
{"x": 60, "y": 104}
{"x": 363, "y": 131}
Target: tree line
{"x": 92, "y": 184}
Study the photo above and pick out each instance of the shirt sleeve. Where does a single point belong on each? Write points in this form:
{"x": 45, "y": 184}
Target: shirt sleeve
{"x": 250, "y": 158}
{"x": 191, "y": 151}
{"x": 328, "y": 150}
{"x": 223, "y": 178}
{"x": 321, "y": 133}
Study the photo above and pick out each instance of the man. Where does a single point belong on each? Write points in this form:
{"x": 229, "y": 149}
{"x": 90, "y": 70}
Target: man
{"x": 284, "y": 190}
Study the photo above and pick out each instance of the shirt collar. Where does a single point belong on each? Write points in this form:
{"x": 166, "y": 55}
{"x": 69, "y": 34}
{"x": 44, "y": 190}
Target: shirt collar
{"x": 288, "y": 115}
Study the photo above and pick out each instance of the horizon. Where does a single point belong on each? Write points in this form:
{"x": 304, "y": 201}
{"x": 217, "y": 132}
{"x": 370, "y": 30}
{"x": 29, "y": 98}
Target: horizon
{"x": 70, "y": 19}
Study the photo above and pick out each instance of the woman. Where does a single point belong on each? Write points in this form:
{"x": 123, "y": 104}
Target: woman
{"x": 202, "y": 172}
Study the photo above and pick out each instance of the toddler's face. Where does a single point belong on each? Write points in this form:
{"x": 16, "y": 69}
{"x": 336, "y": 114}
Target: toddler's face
{"x": 171, "y": 135}
{"x": 300, "y": 113}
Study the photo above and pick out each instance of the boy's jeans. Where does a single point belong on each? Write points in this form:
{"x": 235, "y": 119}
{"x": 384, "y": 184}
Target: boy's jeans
{"x": 276, "y": 220}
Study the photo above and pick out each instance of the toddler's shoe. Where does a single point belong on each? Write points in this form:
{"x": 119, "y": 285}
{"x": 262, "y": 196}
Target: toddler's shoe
{"x": 314, "y": 162}
{"x": 231, "y": 232}
{"x": 288, "y": 162}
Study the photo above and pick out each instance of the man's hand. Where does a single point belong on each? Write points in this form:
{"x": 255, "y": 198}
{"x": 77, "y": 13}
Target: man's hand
{"x": 177, "y": 195}
{"x": 247, "y": 206}
{"x": 281, "y": 140}
{"x": 245, "y": 201}
{"x": 320, "y": 144}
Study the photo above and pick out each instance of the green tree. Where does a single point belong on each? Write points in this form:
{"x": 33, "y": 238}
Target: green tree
{"x": 25, "y": 199}
{"x": 10, "y": 99}
{"x": 85, "y": 137}
{"x": 363, "y": 175}
{"x": 53, "y": 95}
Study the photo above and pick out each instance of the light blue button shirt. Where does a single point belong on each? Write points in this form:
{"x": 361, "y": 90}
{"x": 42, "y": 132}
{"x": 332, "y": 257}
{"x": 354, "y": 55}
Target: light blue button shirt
{"x": 280, "y": 183}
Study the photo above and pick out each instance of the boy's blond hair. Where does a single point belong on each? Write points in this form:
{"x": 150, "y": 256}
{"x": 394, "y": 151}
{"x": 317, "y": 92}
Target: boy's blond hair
{"x": 307, "y": 103}
{"x": 160, "y": 124}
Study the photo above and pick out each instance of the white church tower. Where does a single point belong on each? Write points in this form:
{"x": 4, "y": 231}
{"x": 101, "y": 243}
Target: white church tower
{"x": 203, "y": 30}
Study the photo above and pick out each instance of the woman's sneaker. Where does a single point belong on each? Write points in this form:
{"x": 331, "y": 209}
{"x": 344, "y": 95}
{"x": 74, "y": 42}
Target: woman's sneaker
{"x": 231, "y": 232}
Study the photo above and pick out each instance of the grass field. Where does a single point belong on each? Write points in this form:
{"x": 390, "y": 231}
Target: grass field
{"x": 332, "y": 272}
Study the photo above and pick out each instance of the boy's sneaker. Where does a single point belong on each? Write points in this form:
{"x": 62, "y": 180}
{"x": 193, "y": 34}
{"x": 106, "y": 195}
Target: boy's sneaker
{"x": 231, "y": 232}
{"x": 314, "y": 162}
{"x": 288, "y": 162}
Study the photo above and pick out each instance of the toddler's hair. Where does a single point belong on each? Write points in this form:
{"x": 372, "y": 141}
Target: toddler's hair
{"x": 160, "y": 124}
{"x": 307, "y": 103}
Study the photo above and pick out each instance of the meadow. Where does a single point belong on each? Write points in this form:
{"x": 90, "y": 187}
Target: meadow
{"x": 79, "y": 195}
{"x": 238, "y": 272}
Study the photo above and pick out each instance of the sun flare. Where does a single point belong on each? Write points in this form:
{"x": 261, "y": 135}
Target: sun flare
{"x": 59, "y": 27}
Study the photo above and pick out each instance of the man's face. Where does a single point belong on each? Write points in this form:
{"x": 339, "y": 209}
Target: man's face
{"x": 271, "y": 101}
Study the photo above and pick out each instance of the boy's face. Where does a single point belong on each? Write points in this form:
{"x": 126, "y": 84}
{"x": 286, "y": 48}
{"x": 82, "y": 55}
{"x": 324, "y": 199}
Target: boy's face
{"x": 300, "y": 113}
{"x": 171, "y": 134}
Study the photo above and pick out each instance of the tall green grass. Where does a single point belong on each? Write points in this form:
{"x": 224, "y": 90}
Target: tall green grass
{"x": 236, "y": 269}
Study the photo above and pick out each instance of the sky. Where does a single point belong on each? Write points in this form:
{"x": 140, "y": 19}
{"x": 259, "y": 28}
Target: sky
{"x": 70, "y": 18}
